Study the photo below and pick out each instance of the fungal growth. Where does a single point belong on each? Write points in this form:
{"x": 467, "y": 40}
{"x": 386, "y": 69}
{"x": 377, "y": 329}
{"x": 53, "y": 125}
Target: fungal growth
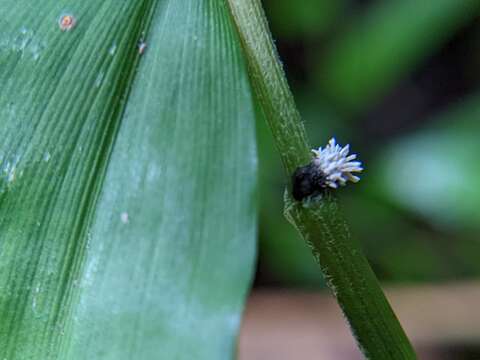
{"x": 66, "y": 22}
{"x": 330, "y": 167}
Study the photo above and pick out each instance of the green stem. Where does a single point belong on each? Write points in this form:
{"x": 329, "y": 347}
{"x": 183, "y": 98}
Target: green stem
{"x": 373, "y": 323}
{"x": 270, "y": 84}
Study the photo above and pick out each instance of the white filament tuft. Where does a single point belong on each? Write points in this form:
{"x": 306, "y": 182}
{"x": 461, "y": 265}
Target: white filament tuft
{"x": 336, "y": 164}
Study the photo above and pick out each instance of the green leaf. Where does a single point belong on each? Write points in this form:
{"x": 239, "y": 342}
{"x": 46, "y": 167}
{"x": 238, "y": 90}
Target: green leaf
{"x": 127, "y": 213}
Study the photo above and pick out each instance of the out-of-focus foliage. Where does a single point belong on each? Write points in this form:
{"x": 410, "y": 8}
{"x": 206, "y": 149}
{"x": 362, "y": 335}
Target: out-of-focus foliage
{"x": 435, "y": 171}
{"x": 312, "y": 18}
{"x": 386, "y": 42}
{"x": 407, "y": 73}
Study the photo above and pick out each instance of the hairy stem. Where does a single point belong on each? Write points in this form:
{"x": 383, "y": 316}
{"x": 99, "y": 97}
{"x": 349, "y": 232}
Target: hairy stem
{"x": 373, "y": 323}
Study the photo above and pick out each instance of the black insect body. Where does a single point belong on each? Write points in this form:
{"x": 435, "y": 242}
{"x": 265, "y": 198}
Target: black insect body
{"x": 308, "y": 180}
{"x": 330, "y": 168}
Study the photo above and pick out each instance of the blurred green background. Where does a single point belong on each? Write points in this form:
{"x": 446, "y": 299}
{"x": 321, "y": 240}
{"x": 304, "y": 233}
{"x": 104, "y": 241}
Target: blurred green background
{"x": 399, "y": 80}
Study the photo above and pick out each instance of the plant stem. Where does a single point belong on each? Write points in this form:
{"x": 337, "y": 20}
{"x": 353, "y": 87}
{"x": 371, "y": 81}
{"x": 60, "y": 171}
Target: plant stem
{"x": 373, "y": 323}
{"x": 270, "y": 84}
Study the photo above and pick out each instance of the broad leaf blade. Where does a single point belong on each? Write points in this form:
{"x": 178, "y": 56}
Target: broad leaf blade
{"x": 126, "y": 209}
